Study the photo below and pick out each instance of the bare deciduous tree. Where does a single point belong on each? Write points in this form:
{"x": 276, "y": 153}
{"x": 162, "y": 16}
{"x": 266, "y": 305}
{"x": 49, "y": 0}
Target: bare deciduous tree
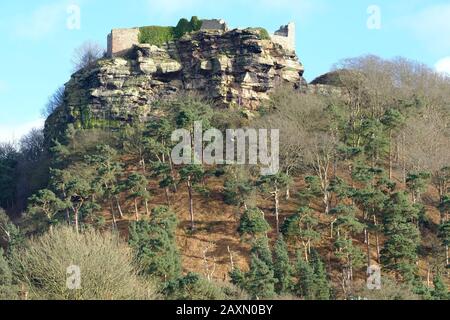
{"x": 54, "y": 102}
{"x": 87, "y": 54}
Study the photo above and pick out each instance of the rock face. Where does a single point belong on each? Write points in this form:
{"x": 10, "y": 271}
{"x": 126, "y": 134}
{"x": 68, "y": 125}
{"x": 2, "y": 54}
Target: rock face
{"x": 234, "y": 69}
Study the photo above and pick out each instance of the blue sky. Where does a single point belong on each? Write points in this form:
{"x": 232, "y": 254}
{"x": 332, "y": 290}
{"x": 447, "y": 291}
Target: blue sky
{"x": 37, "y": 45}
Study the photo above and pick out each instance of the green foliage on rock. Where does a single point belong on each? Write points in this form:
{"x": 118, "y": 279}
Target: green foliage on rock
{"x": 156, "y": 35}
{"x": 159, "y": 36}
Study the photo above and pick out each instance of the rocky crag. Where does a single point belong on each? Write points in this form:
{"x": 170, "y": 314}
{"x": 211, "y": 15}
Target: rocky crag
{"x": 236, "y": 68}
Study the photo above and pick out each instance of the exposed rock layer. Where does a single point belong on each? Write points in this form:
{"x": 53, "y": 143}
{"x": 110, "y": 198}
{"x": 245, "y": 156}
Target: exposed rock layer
{"x": 234, "y": 69}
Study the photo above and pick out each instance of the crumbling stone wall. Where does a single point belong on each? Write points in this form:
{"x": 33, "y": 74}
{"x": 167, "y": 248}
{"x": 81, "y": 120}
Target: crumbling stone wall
{"x": 285, "y": 36}
{"x": 120, "y": 41}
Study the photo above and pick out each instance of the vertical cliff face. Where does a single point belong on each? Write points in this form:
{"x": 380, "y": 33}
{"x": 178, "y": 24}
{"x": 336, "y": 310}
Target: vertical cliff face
{"x": 234, "y": 69}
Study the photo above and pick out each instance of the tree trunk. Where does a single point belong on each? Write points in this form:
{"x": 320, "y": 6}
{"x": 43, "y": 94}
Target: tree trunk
{"x": 113, "y": 215}
{"x": 172, "y": 173}
{"x": 446, "y": 257}
{"x": 404, "y": 159}
{"x": 166, "y": 191}
{"x": 377, "y": 239}
{"x": 147, "y": 211}
{"x": 68, "y": 217}
{"x": 191, "y": 204}
{"x": 277, "y": 209}
{"x": 390, "y": 155}
{"x": 331, "y": 228}
{"x": 75, "y": 211}
{"x": 119, "y": 207}
{"x": 369, "y": 260}
{"x": 305, "y": 247}
{"x": 136, "y": 211}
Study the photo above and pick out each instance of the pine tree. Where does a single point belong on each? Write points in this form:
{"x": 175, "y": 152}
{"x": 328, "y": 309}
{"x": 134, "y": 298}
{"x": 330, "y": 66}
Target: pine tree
{"x": 253, "y": 223}
{"x": 282, "y": 267}
{"x": 349, "y": 255}
{"x": 322, "y": 285}
{"x": 274, "y": 185}
{"x": 262, "y": 251}
{"x": 192, "y": 175}
{"x": 108, "y": 171}
{"x": 416, "y": 183}
{"x": 440, "y": 291}
{"x": 400, "y": 252}
{"x": 305, "y": 286}
{"x": 260, "y": 280}
{"x": 392, "y": 120}
{"x": 154, "y": 244}
{"x": 137, "y": 187}
{"x": 301, "y": 228}
{"x": 444, "y": 235}
{"x": 45, "y": 204}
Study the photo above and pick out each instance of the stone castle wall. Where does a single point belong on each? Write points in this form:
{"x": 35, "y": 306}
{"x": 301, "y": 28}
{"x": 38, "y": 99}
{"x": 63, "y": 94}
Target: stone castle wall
{"x": 122, "y": 40}
{"x": 285, "y": 36}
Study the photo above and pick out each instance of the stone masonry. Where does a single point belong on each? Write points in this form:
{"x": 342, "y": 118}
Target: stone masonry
{"x": 121, "y": 41}
{"x": 285, "y": 36}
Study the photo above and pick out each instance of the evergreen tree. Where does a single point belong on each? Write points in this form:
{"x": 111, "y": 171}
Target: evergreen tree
{"x": 262, "y": 251}
{"x": 444, "y": 235}
{"x": 350, "y": 255}
{"x": 237, "y": 190}
{"x": 282, "y": 267}
{"x": 260, "y": 280}
{"x": 192, "y": 175}
{"x": 137, "y": 187}
{"x": 46, "y": 205}
{"x": 154, "y": 244}
{"x": 322, "y": 285}
{"x": 416, "y": 183}
{"x": 440, "y": 291}
{"x": 273, "y": 185}
{"x": 305, "y": 286}
{"x": 301, "y": 228}
{"x": 392, "y": 120}
{"x": 11, "y": 237}
{"x": 253, "y": 223}
{"x": 400, "y": 252}
{"x": 108, "y": 172}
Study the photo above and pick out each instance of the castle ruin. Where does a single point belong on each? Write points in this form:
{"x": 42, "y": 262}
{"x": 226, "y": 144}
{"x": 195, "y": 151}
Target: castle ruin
{"x": 120, "y": 41}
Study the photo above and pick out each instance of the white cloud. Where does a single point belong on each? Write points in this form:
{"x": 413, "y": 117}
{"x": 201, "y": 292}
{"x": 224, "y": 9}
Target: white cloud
{"x": 42, "y": 21}
{"x": 13, "y": 133}
{"x": 431, "y": 26}
{"x": 443, "y": 66}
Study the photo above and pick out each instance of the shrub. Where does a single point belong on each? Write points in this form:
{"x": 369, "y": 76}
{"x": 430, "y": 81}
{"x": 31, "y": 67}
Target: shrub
{"x": 263, "y": 33}
{"x": 105, "y": 264}
{"x": 8, "y": 291}
{"x": 194, "y": 287}
{"x": 156, "y": 35}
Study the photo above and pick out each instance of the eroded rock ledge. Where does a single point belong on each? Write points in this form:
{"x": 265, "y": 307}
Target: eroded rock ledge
{"x": 234, "y": 69}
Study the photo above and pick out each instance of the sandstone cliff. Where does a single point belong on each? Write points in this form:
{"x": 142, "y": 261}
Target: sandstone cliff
{"x": 234, "y": 69}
